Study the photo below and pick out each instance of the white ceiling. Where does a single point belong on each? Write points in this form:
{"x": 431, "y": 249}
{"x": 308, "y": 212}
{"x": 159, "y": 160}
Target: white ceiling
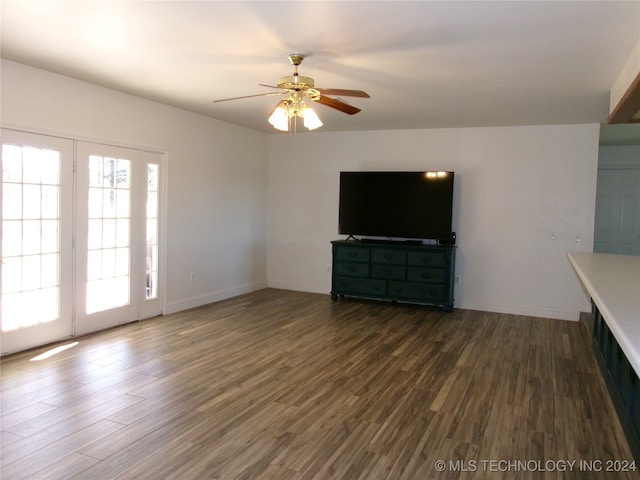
{"x": 426, "y": 64}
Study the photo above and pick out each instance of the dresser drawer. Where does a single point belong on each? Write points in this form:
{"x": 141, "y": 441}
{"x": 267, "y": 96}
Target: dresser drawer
{"x": 423, "y": 274}
{"x": 352, "y": 269}
{"x": 362, "y": 286}
{"x": 392, "y": 272}
{"x": 388, "y": 257}
{"x": 422, "y": 292}
{"x": 352, "y": 254}
{"x": 430, "y": 259}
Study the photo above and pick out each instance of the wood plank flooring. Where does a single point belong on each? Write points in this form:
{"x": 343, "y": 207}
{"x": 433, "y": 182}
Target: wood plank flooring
{"x": 289, "y": 386}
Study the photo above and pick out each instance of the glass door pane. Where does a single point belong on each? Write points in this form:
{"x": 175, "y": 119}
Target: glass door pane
{"x": 109, "y": 222}
{"x": 152, "y": 232}
{"x": 30, "y": 243}
{"x": 152, "y": 304}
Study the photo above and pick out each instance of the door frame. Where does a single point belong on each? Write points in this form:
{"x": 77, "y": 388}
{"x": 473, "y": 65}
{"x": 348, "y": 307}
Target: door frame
{"x": 157, "y": 155}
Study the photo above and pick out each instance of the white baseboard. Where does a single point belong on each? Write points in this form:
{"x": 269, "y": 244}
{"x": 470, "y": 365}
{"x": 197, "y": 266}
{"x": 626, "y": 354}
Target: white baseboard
{"x": 213, "y": 297}
{"x": 530, "y": 311}
{"x": 300, "y": 287}
{"x": 542, "y": 312}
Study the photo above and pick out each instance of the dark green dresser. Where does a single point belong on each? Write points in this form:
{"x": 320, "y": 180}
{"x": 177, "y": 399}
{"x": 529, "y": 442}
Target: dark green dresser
{"x": 396, "y": 272}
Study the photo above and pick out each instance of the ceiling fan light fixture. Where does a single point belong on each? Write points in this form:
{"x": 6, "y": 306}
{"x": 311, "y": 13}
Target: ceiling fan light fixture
{"x": 279, "y": 118}
{"x": 291, "y": 108}
{"x": 311, "y": 119}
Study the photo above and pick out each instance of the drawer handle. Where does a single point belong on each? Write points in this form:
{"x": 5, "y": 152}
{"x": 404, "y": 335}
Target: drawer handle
{"x": 352, "y": 269}
{"x": 426, "y": 259}
{"x": 426, "y": 275}
{"x": 352, "y": 254}
{"x": 388, "y": 272}
{"x": 388, "y": 257}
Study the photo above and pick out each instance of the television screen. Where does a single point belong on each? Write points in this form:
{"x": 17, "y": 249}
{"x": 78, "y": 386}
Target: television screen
{"x": 414, "y": 205}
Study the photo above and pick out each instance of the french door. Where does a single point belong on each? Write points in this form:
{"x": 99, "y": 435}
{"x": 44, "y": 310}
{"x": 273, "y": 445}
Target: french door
{"x": 106, "y": 212}
{"x": 90, "y": 267}
{"x": 37, "y": 257}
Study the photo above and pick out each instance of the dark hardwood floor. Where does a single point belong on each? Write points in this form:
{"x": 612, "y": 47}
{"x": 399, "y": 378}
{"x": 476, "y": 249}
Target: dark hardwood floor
{"x": 289, "y": 385}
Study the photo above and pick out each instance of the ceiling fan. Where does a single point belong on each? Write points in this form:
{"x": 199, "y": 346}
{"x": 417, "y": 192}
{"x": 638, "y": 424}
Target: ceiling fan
{"x": 295, "y": 89}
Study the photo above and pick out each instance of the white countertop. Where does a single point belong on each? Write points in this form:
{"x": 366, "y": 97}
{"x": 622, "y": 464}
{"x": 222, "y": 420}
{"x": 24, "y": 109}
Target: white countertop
{"x": 613, "y": 282}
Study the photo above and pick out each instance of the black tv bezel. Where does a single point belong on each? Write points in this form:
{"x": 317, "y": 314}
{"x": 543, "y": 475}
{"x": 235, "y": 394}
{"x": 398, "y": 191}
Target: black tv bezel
{"x": 417, "y": 236}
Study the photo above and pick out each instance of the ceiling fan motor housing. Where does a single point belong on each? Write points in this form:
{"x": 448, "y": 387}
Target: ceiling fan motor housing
{"x": 295, "y": 82}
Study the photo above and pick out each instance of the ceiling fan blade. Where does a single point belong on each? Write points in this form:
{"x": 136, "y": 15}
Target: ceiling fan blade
{"x": 249, "y": 96}
{"x": 269, "y": 86}
{"x": 344, "y": 93}
{"x": 338, "y": 105}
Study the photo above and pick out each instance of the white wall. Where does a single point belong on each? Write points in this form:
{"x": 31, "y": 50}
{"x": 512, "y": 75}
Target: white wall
{"x": 523, "y": 197}
{"x": 515, "y": 187}
{"x": 217, "y": 187}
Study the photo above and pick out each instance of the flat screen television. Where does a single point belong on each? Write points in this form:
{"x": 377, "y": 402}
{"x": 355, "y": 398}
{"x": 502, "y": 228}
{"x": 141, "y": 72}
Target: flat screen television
{"x": 397, "y": 205}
